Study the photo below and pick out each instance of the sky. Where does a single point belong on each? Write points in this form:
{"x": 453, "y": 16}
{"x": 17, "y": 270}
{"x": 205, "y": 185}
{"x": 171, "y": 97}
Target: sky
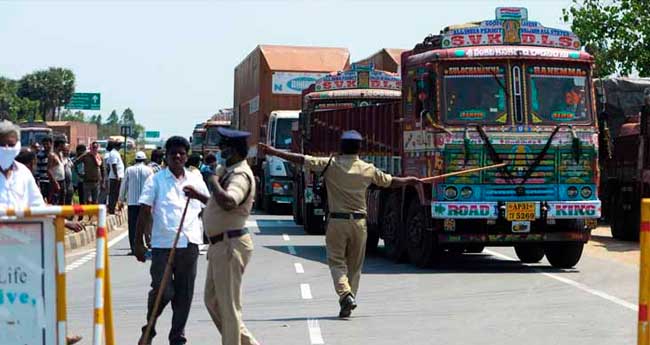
{"x": 173, "y": 62}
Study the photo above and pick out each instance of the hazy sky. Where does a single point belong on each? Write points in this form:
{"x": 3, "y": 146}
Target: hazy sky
{"x": 173, "y": 62}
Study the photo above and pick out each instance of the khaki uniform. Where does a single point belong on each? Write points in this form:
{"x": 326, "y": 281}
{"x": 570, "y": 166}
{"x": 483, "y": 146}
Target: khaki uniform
{"x": 347, "y": 179}
{"x": 228, "y": 258}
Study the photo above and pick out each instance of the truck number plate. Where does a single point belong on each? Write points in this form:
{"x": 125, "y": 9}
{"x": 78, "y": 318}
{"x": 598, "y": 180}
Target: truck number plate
{"x": 518, "y": 211}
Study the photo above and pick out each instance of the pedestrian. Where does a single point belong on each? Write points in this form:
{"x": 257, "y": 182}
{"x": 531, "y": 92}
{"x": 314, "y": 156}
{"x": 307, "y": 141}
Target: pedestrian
{"x": 27, "y": 158}
{"x": 161, "y": 206}
{"x": 57, "y": 172}
{"x": 93, "y": 173}
{"x": 78, "y": 173}
{"x": 67, "y": 167}
{"x": 347, "y": 178}
{"x": 134, "y": 178}
{"x": 115, "y": 176}
{"x": 156, "y": 160}
{"x": 209, "y": 167}
{"x": 193, "y": 163}
{"x": 231, "y": 245}
{"x": 103, "y": 187}
{"x": 42, "y": 173}
{"x": 18, "y": 188}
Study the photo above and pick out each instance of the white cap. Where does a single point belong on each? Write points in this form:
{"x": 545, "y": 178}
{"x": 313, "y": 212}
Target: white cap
{"x": 141, "y": 156}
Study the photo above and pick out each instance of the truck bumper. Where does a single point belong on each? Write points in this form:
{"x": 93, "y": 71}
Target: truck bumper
{"x": 496, "y": 210}
{"x": 510, "y": 239}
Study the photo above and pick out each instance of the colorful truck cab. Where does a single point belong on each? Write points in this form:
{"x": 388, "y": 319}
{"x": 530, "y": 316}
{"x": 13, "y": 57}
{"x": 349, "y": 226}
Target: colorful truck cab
{"x": 503, "y": 90}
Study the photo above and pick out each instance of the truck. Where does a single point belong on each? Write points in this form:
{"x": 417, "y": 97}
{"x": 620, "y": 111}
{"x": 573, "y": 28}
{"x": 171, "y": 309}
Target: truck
{"x": 504, "y": 90}
{"x": 33, "y": 132}
{"x": 344, "y": 100}
{"x": 212, "y": 136}
{"x": 75, "y": 131}
{"x": 624, "y": 113}
{"x": 277, "y": 174}
{"x": 271, "y": 78}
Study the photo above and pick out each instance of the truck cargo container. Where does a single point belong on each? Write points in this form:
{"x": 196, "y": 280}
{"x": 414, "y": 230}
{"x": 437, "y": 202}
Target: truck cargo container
{"x": 271, "y": 78}
{"x": 76, "y": 132}
{"x": 501, "y": 90}
{"x": 387, "y": 59}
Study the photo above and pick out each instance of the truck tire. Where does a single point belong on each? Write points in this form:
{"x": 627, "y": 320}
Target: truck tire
{"x": 625, "y": 223}
{"x": 474, "y": 248}
{"x": 529, "y": 253}
{"x": 314, "y": 225}
{"x": 373, "y": 239}
{"x": 421, "y": 248}
{"x": 391, "y": 230}
{"x": 564, "y": 255}
{"x": 296, "y": 206}
{"x": 268, "y": 204}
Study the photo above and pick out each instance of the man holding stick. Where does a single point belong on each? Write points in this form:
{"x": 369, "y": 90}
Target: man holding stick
{"x": 347, "y": 178}
{"x": 162, "y": 203}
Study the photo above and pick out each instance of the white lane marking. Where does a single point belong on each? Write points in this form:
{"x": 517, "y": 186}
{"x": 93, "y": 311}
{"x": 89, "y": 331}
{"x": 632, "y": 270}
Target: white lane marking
{"x": 314, "y": 332}
{"x": 91, "y": 255}
{"x": 299, "y": 268}
{"x": 285, "y": 237}
{"x": 292, "y": 250}
{"x": 575, "y": 284}
{"x": 252, "y": 226}
{"x": 305, "y": 291}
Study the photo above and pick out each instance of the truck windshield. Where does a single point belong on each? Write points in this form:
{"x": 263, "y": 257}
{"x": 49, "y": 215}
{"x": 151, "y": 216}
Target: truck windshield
{"x": 28, "y": 137}
{"x": 212, "y": 136}
{"x": 197, "y": 138}
{"x": 558, "y": 98}
{"x": 475, "y": 94}
{"x": 283, "y": 133}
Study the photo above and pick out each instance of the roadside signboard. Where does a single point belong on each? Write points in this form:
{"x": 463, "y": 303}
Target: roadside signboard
{"x": 125, "y": 131}
{"x": 152, "y": 135}
{"x": 27, "y": 282}
{"x": 85, "y": 101}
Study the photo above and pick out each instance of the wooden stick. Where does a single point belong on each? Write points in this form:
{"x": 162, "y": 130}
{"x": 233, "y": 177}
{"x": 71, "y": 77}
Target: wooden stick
{"x": 165, "y": 280}
{"x": 460, "y": 172}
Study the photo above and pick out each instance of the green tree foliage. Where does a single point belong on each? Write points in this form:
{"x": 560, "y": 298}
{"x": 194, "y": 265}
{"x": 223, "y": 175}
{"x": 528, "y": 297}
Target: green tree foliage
{"x": 68, "y": 115}
{"x": 112, "y": 119}
{"x": 53, "y": 88}
{"x": 616, "y": 32}
{"x": 13, "y": 107}
{"x": 128, "y": 118}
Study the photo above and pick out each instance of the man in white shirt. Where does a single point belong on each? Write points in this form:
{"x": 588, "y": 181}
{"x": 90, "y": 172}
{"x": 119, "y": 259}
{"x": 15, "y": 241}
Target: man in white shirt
{"x": 161, "y": 207}
{"x": 134, "y": 178}
{"x": 115, "y": 176}
{"x": 18, "y": 188}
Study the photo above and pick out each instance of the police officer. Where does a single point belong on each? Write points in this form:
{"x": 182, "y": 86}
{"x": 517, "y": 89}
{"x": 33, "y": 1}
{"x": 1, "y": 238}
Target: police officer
{"x": 347, "y": 179}
{"x": 231, "y": 246}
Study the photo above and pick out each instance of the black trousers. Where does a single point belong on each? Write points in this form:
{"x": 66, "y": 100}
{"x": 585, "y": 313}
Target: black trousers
{"x": 113, "y": 194}
{"x": 179, "y": 290}
{"x": 133, "y": 221}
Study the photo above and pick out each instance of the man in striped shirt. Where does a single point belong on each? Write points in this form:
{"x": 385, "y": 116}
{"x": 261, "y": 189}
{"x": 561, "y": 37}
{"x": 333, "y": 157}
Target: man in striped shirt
{"x": 132, "y": 184}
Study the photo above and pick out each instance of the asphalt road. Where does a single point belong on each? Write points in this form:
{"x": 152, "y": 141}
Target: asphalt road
{"x": 487, "y": 298}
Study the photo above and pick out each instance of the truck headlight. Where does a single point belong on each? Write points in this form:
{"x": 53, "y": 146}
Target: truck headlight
{"x": 451, "y": 193}
{"x": 572, "y": 192}
{"x": 586, "y": 192}
{"x": 466, "y": 192}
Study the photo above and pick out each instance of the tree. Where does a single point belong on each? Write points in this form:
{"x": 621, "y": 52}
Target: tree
{"x": 13, "y": 107}
{"x": 53, "y": 88}
{"x": 112, "y": 119}
{"x": 128, "y": 118}
{"x": 68, "y": 115}
{"x": 616, "y": 32}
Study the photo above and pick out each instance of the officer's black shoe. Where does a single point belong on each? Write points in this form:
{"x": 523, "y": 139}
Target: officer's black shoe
{"x": 347, "y": 305}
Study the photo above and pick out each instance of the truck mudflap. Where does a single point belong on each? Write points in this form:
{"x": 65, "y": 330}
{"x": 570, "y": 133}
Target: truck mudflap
{"x": 509, "y": 239}
{"x": 529, "y": 210}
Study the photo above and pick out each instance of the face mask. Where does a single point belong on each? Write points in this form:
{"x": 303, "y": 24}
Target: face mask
{"x": 7, "y": 155}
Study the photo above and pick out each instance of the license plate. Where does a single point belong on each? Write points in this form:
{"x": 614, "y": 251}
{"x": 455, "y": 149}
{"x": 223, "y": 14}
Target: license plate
{"x": 319, "y": 212}
{"x": 518, "y": 211}
{"x": 519, "y": 226}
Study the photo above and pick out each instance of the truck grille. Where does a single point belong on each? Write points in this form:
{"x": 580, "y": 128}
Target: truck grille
{"x": 520, "y": 158}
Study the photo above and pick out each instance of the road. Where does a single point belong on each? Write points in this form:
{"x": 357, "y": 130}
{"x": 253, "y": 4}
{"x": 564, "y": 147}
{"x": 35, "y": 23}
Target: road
{"x": 487, "y": 298}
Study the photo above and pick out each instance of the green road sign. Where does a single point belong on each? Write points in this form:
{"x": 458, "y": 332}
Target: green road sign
{"x": 152, "y": 134}
{"x": 84, "y": 101}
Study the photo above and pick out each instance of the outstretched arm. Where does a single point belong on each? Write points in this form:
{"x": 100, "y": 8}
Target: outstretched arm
{"x": 398, "y": 182}
{"x": 291, "y": 157}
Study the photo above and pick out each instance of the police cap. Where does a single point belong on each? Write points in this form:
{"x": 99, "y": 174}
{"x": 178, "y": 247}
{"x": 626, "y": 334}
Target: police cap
{"x": 228, "y": 134}
{"x": 351, "y": 135}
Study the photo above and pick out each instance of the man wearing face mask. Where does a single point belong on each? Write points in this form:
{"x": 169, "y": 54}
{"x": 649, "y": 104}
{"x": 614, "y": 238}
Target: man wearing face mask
{"x": 18, "y": 188}
{"x": 231, "y": 246}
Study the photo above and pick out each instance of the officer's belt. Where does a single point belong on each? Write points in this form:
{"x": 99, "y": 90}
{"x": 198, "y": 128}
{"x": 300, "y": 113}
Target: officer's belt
{"x": 350, "y": 216}
{"x": 231, "y": 234}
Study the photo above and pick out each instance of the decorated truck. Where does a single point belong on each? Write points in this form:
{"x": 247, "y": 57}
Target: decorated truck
{"x": 361, "y": 98}
{"x": 506, "y": 90}
{"x": 198, "y": 138}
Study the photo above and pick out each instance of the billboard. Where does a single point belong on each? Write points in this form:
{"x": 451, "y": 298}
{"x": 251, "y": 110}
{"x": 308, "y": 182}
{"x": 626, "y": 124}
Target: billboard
{"x": 27, "y": 282}
{"x": 292, "y": 83}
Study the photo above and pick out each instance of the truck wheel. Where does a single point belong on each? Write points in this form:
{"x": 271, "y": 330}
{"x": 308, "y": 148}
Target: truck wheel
{"x": 625, "y": 224}
{"x": 391, "y": 230}
{"x": 529, "y": 253}
{"x": 373, "y": 239}
{"x": 564, "y": 255}
{"x": 296, "y": 206}
{"x": 268, "y": 204}
{"x": 314, "y": 225}
{"x": 420, "y": 243}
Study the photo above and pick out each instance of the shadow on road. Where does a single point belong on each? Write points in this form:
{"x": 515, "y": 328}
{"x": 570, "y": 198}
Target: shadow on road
{"x": 448, "y": 263}
{"x": 613, "y": 245}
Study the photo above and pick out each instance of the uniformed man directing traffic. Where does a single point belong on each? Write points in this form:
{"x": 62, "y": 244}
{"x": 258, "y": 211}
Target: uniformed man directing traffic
{"x": 347, "y": 178}
{"x": 231, "y": 246}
